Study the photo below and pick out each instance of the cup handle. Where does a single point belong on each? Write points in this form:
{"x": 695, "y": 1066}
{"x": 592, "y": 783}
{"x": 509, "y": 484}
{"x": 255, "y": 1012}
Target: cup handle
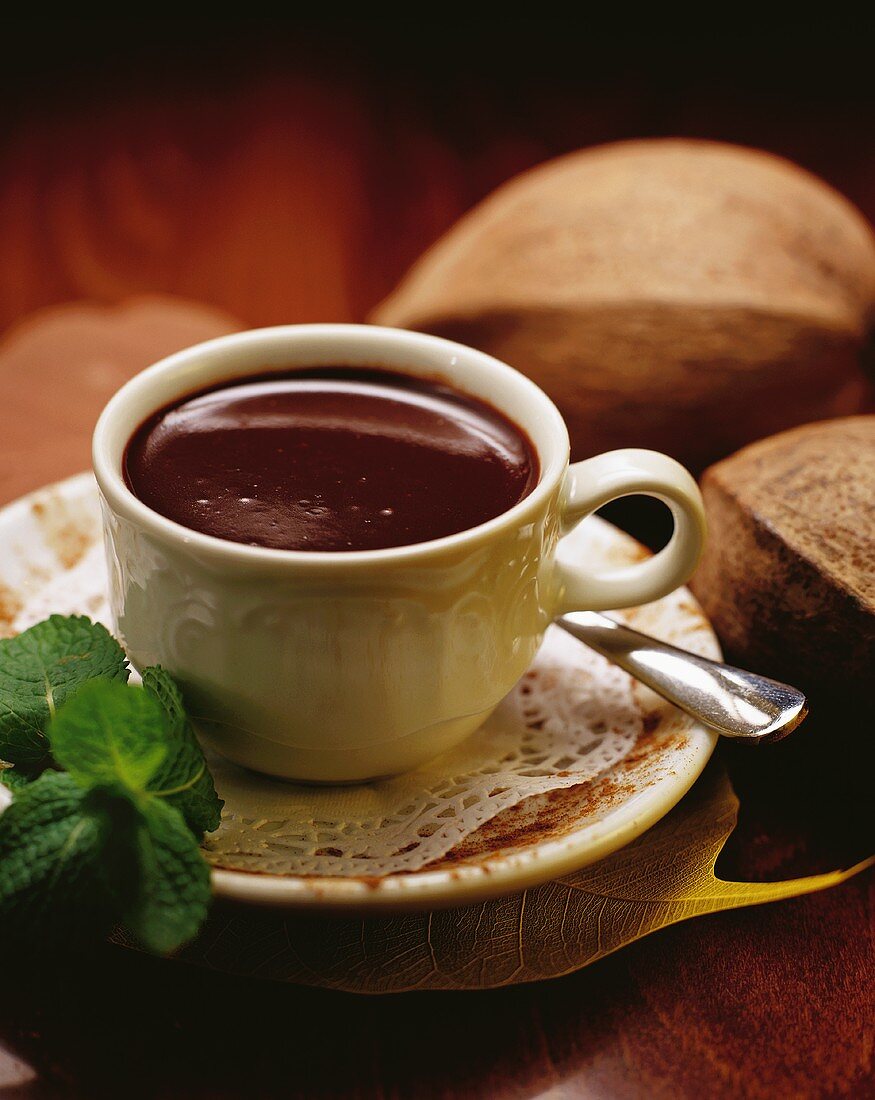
{"x": 595, "y": 482}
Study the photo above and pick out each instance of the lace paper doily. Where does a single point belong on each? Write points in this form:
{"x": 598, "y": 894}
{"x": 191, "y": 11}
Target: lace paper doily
{"x": 572, "y": 718}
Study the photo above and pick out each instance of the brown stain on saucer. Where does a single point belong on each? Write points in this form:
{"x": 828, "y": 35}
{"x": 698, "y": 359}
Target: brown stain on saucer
{"x": 558, "y": 813}
{"x": 10, "y": 608}
{"x": 62, "y": 529}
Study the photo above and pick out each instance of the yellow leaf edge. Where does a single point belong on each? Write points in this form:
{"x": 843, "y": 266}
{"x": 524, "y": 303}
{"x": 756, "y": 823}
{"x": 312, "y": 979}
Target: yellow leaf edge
{"x": 715, "y": 793}
{"x": 736, "y": 895}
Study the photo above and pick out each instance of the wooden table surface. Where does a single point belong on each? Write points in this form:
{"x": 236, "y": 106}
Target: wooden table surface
{"x": 151, "y": 196}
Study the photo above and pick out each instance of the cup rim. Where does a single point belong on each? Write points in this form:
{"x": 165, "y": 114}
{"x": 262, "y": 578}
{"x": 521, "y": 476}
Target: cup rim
{"x": 107, "y": 456}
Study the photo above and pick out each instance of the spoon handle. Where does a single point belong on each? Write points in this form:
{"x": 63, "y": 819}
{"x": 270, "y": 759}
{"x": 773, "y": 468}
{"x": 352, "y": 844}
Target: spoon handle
{"x": 736, "y": 703}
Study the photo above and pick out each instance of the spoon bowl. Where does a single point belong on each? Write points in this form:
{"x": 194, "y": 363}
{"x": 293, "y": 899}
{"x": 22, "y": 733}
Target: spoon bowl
{"x": 737, "y": 704}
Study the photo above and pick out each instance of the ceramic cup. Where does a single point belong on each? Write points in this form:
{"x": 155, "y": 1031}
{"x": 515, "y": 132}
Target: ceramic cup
{"x": 344, "y": 666}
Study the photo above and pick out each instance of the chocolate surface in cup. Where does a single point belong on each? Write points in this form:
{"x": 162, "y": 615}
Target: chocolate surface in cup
{"x": 330, "y": 458}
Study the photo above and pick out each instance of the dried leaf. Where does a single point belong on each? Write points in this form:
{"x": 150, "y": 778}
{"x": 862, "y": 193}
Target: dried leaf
{"x": 666, "y": 876}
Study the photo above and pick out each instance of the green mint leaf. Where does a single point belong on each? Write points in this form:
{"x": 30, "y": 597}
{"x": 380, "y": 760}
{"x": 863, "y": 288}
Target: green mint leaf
{"x": 183, "y": 778}
{"x": 110, "y": 734}
{"x": 117, "y": 832}
{"x": 55, "y": 869}
{"x": 174, "y": 880}
{"x": 13, "y": 778}
{"x": 39, "y": 670}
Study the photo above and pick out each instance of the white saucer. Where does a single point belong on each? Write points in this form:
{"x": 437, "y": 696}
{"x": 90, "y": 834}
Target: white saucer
{"x": 50, "y": 561}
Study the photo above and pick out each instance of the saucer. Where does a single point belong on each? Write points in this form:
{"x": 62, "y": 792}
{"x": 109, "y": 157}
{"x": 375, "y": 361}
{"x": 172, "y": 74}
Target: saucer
{"x": 577, "y": 762}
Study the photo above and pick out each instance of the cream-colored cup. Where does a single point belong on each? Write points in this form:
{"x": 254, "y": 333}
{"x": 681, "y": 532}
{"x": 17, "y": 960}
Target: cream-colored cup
{"x": 343, "y": 666}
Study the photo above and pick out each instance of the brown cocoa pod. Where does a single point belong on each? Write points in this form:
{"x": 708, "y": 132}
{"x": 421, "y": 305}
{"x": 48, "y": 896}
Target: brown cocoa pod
{"x": 788, "y": 574}
{"x": 683, "y": 295}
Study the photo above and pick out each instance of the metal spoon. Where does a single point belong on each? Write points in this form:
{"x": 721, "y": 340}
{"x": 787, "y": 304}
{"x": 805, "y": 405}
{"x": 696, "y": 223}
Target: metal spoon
{"x": 736, "y": 703}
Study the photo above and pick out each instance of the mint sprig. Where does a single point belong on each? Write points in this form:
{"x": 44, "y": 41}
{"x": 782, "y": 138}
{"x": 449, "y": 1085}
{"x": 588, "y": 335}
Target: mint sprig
{"x": 13, "y": 777}
{"x": 109, "y": 735}
{"x": 54, "y": 872}
{"x": 173, "y": 891}
{"x": 183, "y": 777}
{"x": 114, "y": 837}
{"x": 39, "y": 670}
